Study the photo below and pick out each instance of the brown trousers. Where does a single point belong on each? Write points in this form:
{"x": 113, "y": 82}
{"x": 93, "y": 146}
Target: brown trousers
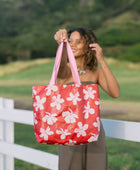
{"x": 92, "y": 156}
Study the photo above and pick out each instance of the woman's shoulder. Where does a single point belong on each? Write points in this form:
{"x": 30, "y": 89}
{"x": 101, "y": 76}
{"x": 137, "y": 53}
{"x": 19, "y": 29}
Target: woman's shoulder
{"x": 95, "y": 70}
{"x": 92, "y": 74}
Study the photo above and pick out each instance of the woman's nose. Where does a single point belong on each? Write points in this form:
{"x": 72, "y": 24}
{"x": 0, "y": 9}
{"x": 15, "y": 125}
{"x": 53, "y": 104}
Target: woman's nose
{"x": 72, "y": 44}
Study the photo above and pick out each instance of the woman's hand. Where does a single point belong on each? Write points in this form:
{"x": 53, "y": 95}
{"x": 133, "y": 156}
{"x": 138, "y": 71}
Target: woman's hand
{"x": 61, "y": 36}
{"x": 98, "y": 50}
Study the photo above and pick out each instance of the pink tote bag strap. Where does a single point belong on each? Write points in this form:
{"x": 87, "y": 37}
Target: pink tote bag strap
{"x": 72, "y": 62}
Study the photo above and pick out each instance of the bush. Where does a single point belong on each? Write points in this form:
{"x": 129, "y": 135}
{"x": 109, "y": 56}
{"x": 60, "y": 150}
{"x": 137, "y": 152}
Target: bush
{"x": 133, "y": 54}
{"x": 123, "y": 35}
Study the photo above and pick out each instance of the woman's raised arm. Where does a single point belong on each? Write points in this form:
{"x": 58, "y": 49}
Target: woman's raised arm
{"x": 105, "y": 77}
{"x": 64, "y": 70}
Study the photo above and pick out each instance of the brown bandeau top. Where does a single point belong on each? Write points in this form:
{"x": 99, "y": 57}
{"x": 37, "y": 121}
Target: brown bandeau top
{"x": 83, "y": 82}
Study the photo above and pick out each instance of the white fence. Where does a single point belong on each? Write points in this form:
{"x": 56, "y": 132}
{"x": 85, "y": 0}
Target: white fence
{"x": 8, "y": 150}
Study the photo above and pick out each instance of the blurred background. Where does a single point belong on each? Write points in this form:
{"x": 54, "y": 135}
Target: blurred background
{"x": 27, "y": 53}
{"x": 27, "y": 27}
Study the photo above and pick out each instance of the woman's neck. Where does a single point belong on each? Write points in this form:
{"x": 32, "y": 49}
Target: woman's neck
{"x": 80, "y": 62}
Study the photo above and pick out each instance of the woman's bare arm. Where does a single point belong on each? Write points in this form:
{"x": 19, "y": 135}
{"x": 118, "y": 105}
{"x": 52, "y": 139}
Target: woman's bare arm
{"x": 105, "y": 77}
{"x": 107, "y": 81}
{"x": 64, "y": 70}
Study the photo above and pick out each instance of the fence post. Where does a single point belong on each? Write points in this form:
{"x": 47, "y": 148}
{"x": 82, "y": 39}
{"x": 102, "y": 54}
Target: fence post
{"x": 6, "y": 135}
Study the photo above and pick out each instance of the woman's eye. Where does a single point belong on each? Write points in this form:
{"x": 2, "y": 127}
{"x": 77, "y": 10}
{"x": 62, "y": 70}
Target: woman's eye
{"x": 78, "y": 42}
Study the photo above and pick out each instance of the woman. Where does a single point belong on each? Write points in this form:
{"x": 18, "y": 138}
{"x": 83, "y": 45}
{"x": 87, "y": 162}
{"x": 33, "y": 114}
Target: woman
{"x": 88, "y": 54}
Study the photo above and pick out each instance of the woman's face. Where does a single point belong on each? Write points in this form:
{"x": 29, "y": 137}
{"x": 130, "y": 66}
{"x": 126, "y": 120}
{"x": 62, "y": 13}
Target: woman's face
{"x": 77, "y": 44}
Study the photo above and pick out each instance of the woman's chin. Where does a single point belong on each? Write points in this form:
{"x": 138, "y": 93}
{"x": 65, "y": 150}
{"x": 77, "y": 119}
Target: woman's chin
{"x": 78, "y": 56}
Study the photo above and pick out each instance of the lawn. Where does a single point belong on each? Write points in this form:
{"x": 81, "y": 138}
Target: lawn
{"x": 19, "y": 85}
{"x": 122, "y": 155}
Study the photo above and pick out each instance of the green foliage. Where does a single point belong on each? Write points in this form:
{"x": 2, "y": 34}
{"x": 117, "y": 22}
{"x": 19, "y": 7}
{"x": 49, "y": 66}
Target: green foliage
{"x": 120, "y": 34}
{"x": 30, "y": 25}
{"x": 132, "y": 54}
{"x": 137, "y": 5}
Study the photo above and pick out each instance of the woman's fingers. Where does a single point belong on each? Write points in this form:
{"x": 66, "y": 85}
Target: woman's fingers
{"x": 64, "y": 35}
{"x": 61, "y": 36}
{"x": 95, "y": 46}
{"x": 99, "y": 54}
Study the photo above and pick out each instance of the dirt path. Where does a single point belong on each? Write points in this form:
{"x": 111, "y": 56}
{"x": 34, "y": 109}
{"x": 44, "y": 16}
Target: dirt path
{"x": 109, "y": 109}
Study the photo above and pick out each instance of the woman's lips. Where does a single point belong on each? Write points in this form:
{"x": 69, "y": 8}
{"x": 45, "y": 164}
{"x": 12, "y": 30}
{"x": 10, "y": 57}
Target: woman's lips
{"x": 73, "y": 50}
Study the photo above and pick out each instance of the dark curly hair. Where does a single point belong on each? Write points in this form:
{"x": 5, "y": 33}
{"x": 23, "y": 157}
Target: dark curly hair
{"x": 89, "y": 36}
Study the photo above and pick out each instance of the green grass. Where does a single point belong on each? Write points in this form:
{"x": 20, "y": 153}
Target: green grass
{"x": 129, "y": 81}
{"x": 26, "y": 130}
{"x": 24, "y": 135}
{"x": 122, "y": 155}
{"x": 20, "y": 84}
{"x": 41, "y": 72}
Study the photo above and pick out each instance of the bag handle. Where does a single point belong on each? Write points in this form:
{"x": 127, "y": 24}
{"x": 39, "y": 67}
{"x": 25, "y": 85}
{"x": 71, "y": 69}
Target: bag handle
{"x": 72, "y": 62}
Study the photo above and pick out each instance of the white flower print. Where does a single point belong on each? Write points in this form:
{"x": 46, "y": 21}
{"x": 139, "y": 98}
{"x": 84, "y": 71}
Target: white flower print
{"x": 50, "y": 118}
{"x": 77, "y": 85}
{"x": 64, "y": 86}
{"x": 35, "y": 120}
{"x": 89, "y": 93}
{"x": 57, "y": 101}
{"x": 81, "y": 130}
{"x": 70, "y": 117}
{"x": 97, "y": 102}
{"x": 34, "y": 92}
{"x": 63, "y": 133}
{"x": 50, "y": 88}
{"x": 88, "y": 110}
{"x": 72, "y": 142}
{"x": 45, "y": 133}
{"x": 93, "y": 138}
{"x": 74, "y": 98}
{"x": 97, "y": 124}
{"x": 39, "y": 103}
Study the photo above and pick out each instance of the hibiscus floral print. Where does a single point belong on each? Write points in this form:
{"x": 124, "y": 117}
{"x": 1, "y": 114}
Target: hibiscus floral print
{"x": 70, "y": 117}
{"x": 74, "y": 98}
{"x": 89, "y": 93}
{"x": 63, "y": 133}
{"x": 77, "y": 85}
{"x": 50, "y": 88}
{"x": 57, "y": 101}
{"x": 66, "y": 114}
{"x": 93, "y": 138}
{"x": 39, "y": 103}
{"x": 97, "y": 124}
{"x": 35, "y": 120}
{"x": 50, "y": 118}
{"x": 34, "y": 92}
{"x": 72, "y": 142}
{"x": 97, "y": 102}
{"x": 81, "y": 130}
{"x": 45, "y": 133}
{"x": 88, "y": 111}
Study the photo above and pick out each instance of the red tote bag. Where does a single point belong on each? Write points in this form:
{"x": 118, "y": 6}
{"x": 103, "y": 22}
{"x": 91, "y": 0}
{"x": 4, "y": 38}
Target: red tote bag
{"x": 66, "y": 114}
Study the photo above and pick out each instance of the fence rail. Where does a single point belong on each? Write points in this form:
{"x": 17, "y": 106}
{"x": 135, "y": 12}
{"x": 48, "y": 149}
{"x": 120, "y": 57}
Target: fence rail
{"x": 8, "y": 150}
